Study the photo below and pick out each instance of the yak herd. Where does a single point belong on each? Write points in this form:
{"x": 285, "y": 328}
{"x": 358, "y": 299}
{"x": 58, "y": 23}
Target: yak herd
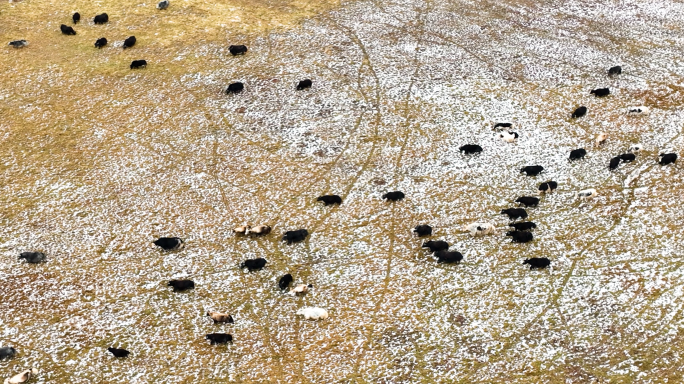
{"x": 521, "y": 230}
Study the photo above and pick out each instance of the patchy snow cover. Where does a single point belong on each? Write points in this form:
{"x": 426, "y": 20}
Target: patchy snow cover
{"x": 398, "y": 86}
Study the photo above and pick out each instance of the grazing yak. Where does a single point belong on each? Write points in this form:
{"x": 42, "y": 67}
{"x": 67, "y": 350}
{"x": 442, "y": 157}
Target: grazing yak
{"x": 219, "y": 338}
{"x": 436, "y": 245}
{"x": 101, "y": 42}
{"x": 300, "y": 289}
{"x": 514, "y": 213}
{"x": 237, "y": 49}
{"x": 66, "y": 30}
{"x": 667, "y": 158}
{"x": 480, "y": 229}
{"x": 285, "y": 281}
{"x": 235, "y": 87}
{"x": 169, "y": 243}
{"x": 129, "y": 42}
{"x": 638, "y": 111}
{"x": 627, "y": 157}
{"x": 448, "y": 256}
{"x": 422, "y": 230}
{"x": 470, "y": 149}
{"x": 330, "y": 199}
{"x": 118, "y": 352}
{"x": 587, "y": 193}
{"x": 254, "y": 264}
{"x": 313, "y": 313}
{"x": 101, "y": 19}
{"x": 181, "y": 285}
{"x": 548, "y": 187}
{"x": 393, "y": 196}
{"x": 32, "y": 257}
{"x": 600, "y": 92}
{"x": 19, "y": 43}
{"x": 76, "y": 17}
{"x": 259, "y": 230}
{"x": 219, "y": 317}
{"x": 508, "y": 136}
{"x": 537, "y": 262}
{"x": 532, "y": 170}
{"x": 295, "y": 236}
{"x": 243, "y": 229}
{"x": 601, "y": 138}
{"x": 164, "y": 4}
{"x": 304, "y": 84}
{"x": 616, "y": 70}
{"x": 577, "y": 154}
{"x": 135, "y": 64}
{"x": 7, "y": 352}
{"x": 579, "y": 112}
{"x": 520, "y": 236}
{"x": 635, "y": 148}
{"x": 524, "y": 226}
{"x": 528, "y": 201}
{"x": 22, "y": 377}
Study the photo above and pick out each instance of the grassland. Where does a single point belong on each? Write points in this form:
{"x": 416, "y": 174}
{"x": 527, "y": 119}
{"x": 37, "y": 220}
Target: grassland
{"x": 98, "y": 160}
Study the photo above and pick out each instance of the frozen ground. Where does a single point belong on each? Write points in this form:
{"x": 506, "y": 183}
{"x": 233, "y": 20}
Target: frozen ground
{"x": 97, "y": 161}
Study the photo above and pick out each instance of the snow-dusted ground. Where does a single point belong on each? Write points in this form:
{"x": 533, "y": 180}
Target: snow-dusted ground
{"x": 97, "y": 161}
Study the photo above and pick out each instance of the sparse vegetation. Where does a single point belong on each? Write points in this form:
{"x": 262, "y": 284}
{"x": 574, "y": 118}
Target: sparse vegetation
{"x": 98, "y": 161}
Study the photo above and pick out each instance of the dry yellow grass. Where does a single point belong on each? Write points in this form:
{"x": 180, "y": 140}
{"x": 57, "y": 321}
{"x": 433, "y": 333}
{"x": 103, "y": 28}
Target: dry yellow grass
{"x": 97, "y": 160}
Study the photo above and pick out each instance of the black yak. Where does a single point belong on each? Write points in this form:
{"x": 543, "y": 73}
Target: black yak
{"x": 32, "y": 257}
{"x": 7, "y": 352}
{"x": 537, "y": 262}
{"x": 129, "y": 42}
{"x": 254, "y": 264}
{"x": 600, "y": 92}
{"x": 436, "y": 246}
{"x": 101, "y": 42}
{"x": 181, "y": 285}
{"x": 423, "y": 230}
{"x": 514, "y": 213}
{"x": 532, "y": 170}
{"x": 579, "y": 112}
{"x": 66, "y": 30}
{"x": 18, "y": 43}
{"x": 393, "y": 196}
{"x": 237, "y": 49}
{"x": 528, "y": 201}
{"x": 304, "y": 84}
{"x": 285, "y": 281}
{"x": 135, "y": 64}
{"x": 101, "y": 19}
{"x": 118, "y": 352}
{"x": 448, "y": 256}
{"x": 295, "y": 236}
{"x": 577, "y": 154}
{"x": 470, "y": 149}
{"x": 520, "y": 236}
{"x": 667, "y": 158}
{"x": 219, "y": 338}
{"x": 330, "y": 199}
{"x": 524, "y": 226}
{"x": 169, "y": 243}
{"x": 236, "y": 87}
